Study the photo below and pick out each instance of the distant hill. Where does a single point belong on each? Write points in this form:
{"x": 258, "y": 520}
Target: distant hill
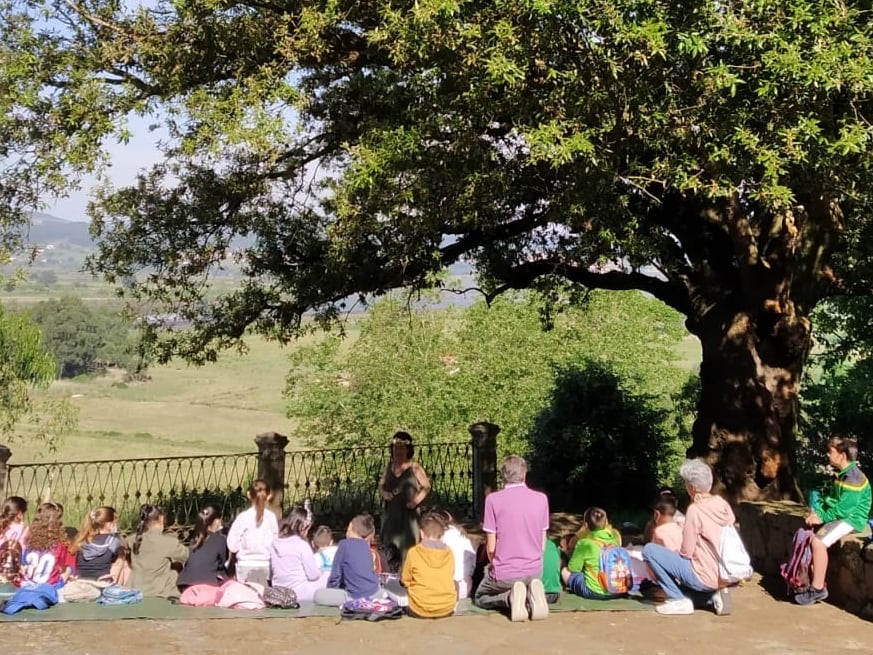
{"x": 46, "y": 229}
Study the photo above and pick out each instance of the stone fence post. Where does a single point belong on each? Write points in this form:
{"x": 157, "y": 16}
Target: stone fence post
{"x": 484, "y": 436}
{"x": 271, "y": 466}
{"x": 5, "y": 454}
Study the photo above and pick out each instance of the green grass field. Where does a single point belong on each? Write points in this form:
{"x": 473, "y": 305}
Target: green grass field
{"x": 183, "y": 410}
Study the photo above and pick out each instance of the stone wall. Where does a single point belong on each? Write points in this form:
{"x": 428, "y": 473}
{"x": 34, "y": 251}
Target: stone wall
{"x": 768, "y": 529}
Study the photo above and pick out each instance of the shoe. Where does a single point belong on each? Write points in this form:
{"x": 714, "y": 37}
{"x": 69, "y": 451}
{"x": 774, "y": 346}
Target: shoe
{"x": 536, "y": 600}
{"x": 811, "y": 596}
{"x": 676, "y": 607}
{"x": 722, "y": 602}
{"x": 518, "y": 602}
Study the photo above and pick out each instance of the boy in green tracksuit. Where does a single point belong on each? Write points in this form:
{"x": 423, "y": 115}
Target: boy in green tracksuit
{"x": 551, "y": 575}
{"x": 839, "y": 510}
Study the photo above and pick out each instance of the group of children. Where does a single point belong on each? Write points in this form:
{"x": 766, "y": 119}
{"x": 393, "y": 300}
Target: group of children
{"x": 434, "y": 575}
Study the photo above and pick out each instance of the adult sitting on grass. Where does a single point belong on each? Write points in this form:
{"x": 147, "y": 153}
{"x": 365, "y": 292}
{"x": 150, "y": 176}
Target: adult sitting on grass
{"x": 691, "y": 576}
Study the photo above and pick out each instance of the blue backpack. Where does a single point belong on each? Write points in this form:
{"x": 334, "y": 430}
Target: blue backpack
{"x": 616, "y": 575}
{"x": 795, "y": 571}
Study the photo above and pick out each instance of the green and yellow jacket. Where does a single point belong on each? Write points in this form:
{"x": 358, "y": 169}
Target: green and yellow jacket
{"x": 847, "y": 498}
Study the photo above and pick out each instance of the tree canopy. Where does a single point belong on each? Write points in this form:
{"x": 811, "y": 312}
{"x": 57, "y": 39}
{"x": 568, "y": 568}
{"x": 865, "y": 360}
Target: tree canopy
{"x": 713, "y": 154}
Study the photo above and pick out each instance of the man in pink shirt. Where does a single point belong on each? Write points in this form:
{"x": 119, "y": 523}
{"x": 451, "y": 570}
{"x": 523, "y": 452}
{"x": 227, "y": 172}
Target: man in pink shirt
{"x": 691, "y": 576}
{"x": 516, "y": 524}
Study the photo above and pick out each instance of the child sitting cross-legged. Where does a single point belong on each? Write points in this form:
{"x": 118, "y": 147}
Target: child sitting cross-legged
{"x": 325, "y": 548}
{"x": 428, "y": 573}
{"x": 99, "y": 551}
{"x": 155, "y": 556}
{"x": 47, "y": 559}
{"x": 352, "y": 574}
{"x": 292, "y": 561}
{"x": 581, "y": 575}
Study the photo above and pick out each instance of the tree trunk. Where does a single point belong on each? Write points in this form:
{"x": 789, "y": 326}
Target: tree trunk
{"x": 747, "y": 412}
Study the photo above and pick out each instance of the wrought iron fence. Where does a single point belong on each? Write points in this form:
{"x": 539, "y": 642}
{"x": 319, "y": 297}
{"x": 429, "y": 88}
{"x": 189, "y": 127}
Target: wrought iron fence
{"x": 342, "y": 482}
{"x": 179, "y": 485}
{"x": 339, "y": 482}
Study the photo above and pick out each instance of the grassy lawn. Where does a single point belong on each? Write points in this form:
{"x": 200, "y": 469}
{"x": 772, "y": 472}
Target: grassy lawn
{"x": 183, "y": 410}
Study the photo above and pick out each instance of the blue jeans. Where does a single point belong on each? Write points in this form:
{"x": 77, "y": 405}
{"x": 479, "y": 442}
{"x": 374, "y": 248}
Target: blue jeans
{"x": 675, "y": 575}
{"x": 576, "y": 585}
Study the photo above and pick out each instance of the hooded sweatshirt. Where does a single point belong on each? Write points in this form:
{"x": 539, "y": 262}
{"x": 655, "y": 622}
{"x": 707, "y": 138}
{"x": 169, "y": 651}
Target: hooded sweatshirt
{"x": 428, "y": 575}
{"x": 95, "y": 558}
{"x": 701, "y": 536}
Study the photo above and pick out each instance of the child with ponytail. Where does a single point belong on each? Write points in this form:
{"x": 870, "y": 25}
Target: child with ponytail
{"x": 98, "y": 549}
{"x": 154, "y": 554}
{"x": 252, "y": 535}
{"x": 208, "y": 562}
{"x": 12, "y": 525}
{"x": 292, "y": 561}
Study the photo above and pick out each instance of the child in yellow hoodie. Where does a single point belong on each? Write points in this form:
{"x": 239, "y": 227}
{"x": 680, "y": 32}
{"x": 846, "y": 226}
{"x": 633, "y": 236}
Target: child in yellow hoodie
{"x": 429, "y": 573}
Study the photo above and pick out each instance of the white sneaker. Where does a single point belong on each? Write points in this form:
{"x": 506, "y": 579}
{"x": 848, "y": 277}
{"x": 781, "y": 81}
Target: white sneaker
{"x": 536, "y": 600}
{"x": 518, "y": 602}
{"x": 721, "y": 602}
{"x": 675, "y": 607}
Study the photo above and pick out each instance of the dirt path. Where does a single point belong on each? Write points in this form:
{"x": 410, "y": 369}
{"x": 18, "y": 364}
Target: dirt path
{"x": 759, "y": 624}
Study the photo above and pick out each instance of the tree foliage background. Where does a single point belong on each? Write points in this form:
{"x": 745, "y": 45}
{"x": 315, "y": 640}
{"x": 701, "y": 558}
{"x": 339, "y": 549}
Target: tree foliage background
{"x": 362, "y": 146}
{"x": 589, "y": 401}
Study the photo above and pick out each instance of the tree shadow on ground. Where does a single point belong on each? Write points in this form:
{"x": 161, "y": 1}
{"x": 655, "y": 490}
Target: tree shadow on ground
{"x": 599, "y": 443}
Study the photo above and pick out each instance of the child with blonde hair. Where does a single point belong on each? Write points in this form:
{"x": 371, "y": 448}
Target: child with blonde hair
{"x": 154, "y": 555}
{"x": 47, "y": 558}
{"x": 98, "y": 549}
{"x": 252, "y": 535}
{"x": 325, "y": 548}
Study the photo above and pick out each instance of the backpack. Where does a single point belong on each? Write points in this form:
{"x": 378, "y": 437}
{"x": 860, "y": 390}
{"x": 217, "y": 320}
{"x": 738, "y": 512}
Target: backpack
{"x": 281, "y": 597}
{"x": 795, "y": 571}
{"x": 734, "y": 562}
{"x": 116, "y": 595}
{"x": 236, "y": 595}
{"x": 616, "y": 573}
{"x": 371, "y": 609}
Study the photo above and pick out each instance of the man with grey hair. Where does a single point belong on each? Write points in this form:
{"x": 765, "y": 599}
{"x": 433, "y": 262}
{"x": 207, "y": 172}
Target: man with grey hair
{"x": 691, "y": 576}
{"x": 516, "y": 524}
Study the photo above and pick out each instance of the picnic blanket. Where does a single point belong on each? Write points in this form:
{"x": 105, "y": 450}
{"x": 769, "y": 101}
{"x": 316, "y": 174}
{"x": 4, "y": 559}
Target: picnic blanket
{"x": 163, "y": 610}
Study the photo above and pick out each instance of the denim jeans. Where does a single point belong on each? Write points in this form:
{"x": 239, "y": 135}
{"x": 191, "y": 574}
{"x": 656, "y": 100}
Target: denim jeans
{"x": 675, "y": 575}
{"x": 576, "y": 585}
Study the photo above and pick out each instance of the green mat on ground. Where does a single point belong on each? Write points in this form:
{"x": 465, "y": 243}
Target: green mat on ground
{"x": 163, "y": 610}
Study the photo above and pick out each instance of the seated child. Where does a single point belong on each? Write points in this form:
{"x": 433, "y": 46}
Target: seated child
{"x": 325, "y": 548}
{"x": 46, "y": 558}
{"x": 13, "y": 537}
{"x": 251, "y": 535}
{"x": 581, "y": 575}
{"x": 207, "y": 563}
{"x": 154, "y": 555}
{"x": 665, "y": 494}
{"x": 98, "y": 549}
{"x": 462, "y": 550}
{"x": 352, "y": 574}
{"x": 839, "y": 510}
{"x": 428, "y": 573}
{"x": 666, "y": 532}
{"x": 292, "y": 561}
{"x": 551, "y": 575}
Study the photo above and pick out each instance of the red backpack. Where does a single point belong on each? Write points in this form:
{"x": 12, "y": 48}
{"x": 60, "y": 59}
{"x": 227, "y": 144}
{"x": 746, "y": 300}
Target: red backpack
{"x": 795, "y": 571}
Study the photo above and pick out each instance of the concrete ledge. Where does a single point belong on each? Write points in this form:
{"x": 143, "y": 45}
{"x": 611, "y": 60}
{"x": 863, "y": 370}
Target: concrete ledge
{"x": 768, "y": 528}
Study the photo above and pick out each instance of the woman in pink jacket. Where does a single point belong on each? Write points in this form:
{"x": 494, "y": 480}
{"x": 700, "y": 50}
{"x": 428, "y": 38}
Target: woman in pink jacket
{"x": 691, "y": 576}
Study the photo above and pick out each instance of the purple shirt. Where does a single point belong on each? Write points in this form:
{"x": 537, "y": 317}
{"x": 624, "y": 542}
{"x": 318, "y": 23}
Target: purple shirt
{"x": 518, "y": 516}
{"x": 293, "y": 563}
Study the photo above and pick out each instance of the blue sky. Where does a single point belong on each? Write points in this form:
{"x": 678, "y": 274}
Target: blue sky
{"x": 126, "y": 160}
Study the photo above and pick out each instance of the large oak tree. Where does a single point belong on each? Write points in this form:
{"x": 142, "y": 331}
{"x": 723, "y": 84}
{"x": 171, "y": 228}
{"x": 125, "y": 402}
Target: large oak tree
{"x": 713, "y": 154}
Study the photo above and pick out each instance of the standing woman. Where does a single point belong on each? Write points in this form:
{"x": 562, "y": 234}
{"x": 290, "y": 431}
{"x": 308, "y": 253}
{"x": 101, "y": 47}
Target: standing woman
{"x": 403, "y": 486}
